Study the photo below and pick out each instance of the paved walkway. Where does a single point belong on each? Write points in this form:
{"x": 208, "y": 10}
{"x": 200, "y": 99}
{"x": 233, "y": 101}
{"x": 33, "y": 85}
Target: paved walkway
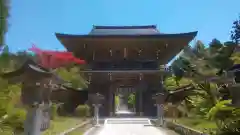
{"x": 128, "y": 126}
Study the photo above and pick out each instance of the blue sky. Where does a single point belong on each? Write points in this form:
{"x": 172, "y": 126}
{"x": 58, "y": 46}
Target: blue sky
{"x": 36, "y": 21}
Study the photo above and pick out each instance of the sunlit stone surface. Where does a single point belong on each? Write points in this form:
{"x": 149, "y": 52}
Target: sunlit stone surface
{"x": 129, "y": 126}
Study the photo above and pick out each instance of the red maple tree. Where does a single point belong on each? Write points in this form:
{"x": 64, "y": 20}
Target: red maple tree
{"x": 54, "y": 59}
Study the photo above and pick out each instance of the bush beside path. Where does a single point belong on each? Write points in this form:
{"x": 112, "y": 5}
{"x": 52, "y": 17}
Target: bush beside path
{"x": 198, "y": 124}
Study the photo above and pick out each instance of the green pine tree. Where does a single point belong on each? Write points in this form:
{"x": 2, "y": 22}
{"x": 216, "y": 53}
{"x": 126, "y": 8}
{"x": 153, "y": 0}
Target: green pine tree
{"x": 4, "y": 13}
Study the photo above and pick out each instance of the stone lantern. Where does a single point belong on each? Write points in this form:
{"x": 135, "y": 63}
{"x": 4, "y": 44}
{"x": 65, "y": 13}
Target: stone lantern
{"x": 234, "y": 88}
{"x": 235, "y": 94}
{"x": 160, "y": 99}
{"x": 96, "y": 100}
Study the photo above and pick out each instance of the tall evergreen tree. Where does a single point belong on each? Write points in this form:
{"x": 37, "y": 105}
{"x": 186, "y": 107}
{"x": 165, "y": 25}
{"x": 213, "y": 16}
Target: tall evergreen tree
{"x": 235, "y": 33}
{"x": 4, "y": 13}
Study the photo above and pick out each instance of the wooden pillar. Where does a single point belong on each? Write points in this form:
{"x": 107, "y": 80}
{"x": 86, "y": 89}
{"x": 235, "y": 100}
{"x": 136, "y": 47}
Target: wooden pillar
{"x": 149, "y": 108}
{"x": 140, "y": 103}
{"x": 137, "y": 102}
{"x": 141, "y": 87}
{"x": 93, "y": 57}
{"x": 111, "y": 102}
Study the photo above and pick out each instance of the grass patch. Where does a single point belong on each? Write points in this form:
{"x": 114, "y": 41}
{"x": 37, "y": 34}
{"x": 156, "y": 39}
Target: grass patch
{"x": 60, "y": 124}
{"x": 80, "y": 131}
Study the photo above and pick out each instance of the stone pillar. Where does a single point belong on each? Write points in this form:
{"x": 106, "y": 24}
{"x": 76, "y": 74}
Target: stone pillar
{"x": 32, "y": 123}
{"x": 96, "y": 100}
{"x": 104, "y": 90}
{"x": 160, "y": 100}
{"x": 142, "y": 87}
{"x": 37, "y": 119}
{"x": 160, "y": 112}
{"x": 96, "y": 113}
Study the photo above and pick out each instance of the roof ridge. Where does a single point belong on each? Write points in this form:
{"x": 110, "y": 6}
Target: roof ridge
{"x": 125, "y": 27}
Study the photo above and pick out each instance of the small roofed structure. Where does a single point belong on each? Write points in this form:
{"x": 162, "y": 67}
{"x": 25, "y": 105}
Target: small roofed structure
{"x": 31, "y": 68}
{"x": 36, "y": 82}
{"x": 37, "y": 85}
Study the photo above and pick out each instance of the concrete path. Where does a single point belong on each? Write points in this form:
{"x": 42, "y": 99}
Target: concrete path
{"x": 128, "y": 126}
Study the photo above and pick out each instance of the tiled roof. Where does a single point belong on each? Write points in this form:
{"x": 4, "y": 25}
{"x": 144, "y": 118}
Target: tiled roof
{"x": 124, "y": 30}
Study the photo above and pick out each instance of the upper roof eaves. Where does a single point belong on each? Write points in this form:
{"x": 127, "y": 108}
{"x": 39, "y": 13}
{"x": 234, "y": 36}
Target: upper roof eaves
{"x": 124, "y": 30}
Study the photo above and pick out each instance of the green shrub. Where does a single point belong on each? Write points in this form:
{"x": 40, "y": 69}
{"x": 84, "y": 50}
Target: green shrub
{"x": 16, "y": 119}
{"x": 231, "y": 127}
{"x": 82, "y": 111}
{"x": 226, "y": 117}
{"x": 116, "y": 100}
{"x": 131, "y": 99}
{"x": 6, "y": 129}
{"x": 53, "y": 111}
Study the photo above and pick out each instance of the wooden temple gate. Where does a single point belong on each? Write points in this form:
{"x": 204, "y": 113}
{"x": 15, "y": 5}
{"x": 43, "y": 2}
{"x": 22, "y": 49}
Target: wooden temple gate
{"x": 121, "y": 56}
